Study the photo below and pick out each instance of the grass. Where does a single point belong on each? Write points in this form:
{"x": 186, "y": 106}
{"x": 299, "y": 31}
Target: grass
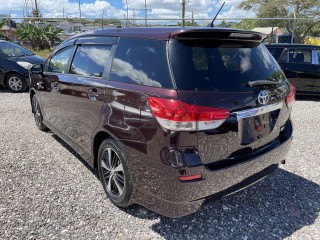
{"x": 42, "y": 53}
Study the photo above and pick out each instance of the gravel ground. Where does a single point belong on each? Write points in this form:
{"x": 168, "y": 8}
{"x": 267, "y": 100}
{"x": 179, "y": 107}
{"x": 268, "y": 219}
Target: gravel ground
{"x": 47, "y": 192}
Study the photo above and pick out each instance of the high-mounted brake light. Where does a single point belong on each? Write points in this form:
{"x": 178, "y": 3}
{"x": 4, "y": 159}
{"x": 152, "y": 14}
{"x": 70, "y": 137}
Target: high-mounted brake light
{"x": 179, "y": 116}
{"x": 290, "y": 98}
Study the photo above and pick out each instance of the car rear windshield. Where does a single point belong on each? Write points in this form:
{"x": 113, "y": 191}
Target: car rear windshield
{"x": 209, "y": 66}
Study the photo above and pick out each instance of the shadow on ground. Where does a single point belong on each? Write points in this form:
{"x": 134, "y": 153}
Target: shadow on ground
{"x": 273, "y": 209}
{"x": 311, "y": 98}
{"x": 4, "y": 90}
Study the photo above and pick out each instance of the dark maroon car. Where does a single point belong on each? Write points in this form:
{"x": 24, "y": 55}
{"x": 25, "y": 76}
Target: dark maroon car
{"x": 168, "y": 116}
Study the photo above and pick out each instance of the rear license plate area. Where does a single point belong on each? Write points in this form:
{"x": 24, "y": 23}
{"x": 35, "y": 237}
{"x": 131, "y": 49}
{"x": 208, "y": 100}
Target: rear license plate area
{"x": 257, "y": 127}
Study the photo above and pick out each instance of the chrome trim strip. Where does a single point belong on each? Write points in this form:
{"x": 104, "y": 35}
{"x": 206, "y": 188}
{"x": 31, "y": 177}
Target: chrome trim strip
{"x": 257, "y": 111}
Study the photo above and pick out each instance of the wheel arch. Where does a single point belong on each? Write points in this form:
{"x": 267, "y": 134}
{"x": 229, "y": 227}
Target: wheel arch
{"x": 99, "y": 137}
{"x": 6, "y": 74}
{"x": 32, "y": 93}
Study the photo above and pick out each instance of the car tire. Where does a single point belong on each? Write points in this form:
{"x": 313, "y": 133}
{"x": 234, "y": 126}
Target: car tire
{"x": 38, "y": 118}
{"x": 16, "y": 83}
{"x": 114, "y": 174}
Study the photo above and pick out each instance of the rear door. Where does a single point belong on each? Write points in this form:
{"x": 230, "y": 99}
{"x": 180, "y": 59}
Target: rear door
{"x": 218, "y": 75}
{"x": 83, "y": 90}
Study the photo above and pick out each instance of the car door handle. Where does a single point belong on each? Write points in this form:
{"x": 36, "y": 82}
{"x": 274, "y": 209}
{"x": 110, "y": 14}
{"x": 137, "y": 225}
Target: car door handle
{"x": 93, "y": 94}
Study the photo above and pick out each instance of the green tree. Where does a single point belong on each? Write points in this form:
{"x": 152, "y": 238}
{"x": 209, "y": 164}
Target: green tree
{"x": 39, "y": 38}
{"x": 188, "y": 24}
{"x": 247, "y": 24}
{"x": 283, "y": 9}
{"x": 3, "y": 22}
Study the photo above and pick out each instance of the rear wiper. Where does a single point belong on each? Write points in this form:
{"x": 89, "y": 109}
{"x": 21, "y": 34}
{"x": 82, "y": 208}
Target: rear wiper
{"x": 259, "y": 83}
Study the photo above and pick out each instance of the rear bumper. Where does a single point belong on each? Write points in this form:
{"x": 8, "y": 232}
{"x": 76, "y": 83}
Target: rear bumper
{"x": 175, "y": 199}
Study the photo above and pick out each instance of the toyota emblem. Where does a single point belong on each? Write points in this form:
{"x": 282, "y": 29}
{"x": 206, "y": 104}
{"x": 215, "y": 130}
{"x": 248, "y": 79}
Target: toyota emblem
{"x": 263, "y": 97}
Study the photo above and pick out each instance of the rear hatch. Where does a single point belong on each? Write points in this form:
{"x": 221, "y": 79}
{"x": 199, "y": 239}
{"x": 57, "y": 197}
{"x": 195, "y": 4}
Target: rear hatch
{"x": 231, "y": 70}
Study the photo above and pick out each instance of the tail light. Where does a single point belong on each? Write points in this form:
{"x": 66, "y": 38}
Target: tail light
{"x": 178, "y": 116}
{"x": 290, "y": 98}
{"x": 190, "y": 178}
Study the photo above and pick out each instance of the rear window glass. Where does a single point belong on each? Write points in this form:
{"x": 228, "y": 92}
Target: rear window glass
{"x": 201, "y": 66}
{"x": 300, "y": 56}
{"x": 141, "y": 61}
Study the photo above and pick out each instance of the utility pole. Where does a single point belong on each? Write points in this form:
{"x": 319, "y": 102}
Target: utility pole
{"x": 80, "y": 11}
{"x": 9, "y": 25}
{"x": 102, "y": 19}
{"x": 37, "y": 13}
{"x": 192, "y": 20}
{"x": 294, "y": 26}
{"x": 183, "y": 12}
{"x": 127, "y": 14}
{"x": 145, "y": 12}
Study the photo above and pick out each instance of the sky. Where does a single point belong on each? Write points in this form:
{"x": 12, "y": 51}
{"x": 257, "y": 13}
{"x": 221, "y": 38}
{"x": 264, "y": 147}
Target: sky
{"x": 117, "y": 8}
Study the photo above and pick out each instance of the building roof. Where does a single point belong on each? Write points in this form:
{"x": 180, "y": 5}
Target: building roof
{"x": 265, "y": 30}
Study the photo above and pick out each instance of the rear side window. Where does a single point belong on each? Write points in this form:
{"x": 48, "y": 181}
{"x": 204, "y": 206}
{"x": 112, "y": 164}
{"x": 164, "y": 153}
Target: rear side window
{"x": 284, "y": 56}
{"x": 141, "y": 61}
{"x": 276, "y": 52}
{"x": 206, "y": 66}
{"x": 90, "y": 60}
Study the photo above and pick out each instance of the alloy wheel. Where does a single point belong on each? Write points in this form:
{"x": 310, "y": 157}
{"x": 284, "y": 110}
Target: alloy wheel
{"x": 113, "y": 174}
{"x": 15, "y": 83}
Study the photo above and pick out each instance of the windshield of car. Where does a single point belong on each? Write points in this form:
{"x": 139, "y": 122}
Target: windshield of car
{"x": 209, "y": 66}
{"x": 12, "y": 50}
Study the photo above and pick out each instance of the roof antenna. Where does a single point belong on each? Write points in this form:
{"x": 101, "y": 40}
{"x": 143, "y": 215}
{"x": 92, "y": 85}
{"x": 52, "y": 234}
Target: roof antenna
{"x": 211, "y": 25}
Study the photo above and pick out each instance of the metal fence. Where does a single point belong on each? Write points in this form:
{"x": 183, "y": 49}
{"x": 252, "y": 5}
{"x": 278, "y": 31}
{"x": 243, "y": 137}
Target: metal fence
{"x": 278, "y": 29}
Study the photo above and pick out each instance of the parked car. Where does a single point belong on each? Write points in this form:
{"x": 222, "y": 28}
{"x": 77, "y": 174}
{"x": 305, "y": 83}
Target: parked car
{"x": 301, "y": 65}
{"x": 168, "y": 116}
{"x": 15, "y": 62}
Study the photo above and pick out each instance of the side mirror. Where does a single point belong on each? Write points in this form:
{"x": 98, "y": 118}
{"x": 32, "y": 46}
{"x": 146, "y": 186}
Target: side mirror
{"x": 37, "y": 69}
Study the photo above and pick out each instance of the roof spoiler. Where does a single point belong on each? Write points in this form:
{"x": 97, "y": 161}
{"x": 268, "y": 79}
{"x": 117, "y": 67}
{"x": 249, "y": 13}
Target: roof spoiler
{"x": 217, "y": 34}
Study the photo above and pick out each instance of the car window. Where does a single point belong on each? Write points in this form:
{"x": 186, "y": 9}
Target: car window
{"x": 90, "y": 60}
{"x": 284, "y": 56}
{"x": 141, "y": 61}
{"x": 58, "y": 63}
{"x": 300, "y": 56}
{"x": 206, "y": 66}
{"x": 318, "y": 51}
{"x": 276, "y": 52}
{"x": 12, "y": 50}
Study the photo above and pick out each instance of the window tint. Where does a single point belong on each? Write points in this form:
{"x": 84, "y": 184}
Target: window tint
{"x": 12, "y": 50}
{"x": 276, "y": 52}
{"x": 90, "y": 60}
{"x": 284, "y": 56}
{"x": 318, "y": 51}
{"x": 203, "y": 65}
{"x": 58, "y": 63}
{"x": 140, "y": 61}
{"x": 300, "y": 56}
